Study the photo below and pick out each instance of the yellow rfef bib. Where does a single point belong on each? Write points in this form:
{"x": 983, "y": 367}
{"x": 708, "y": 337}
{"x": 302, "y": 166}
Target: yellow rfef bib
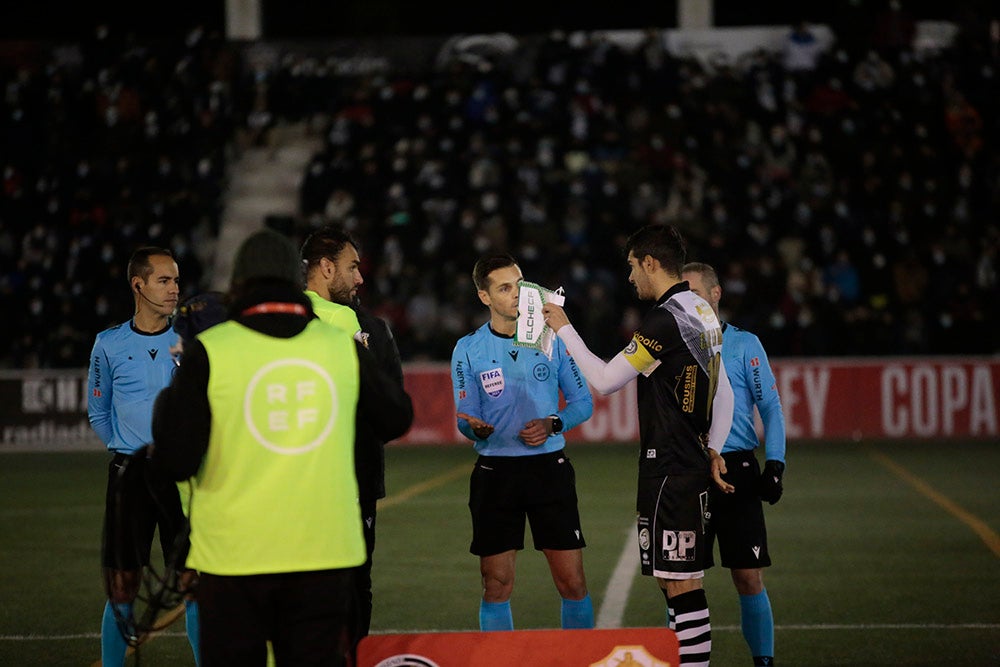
{"x": 276, "y": 491}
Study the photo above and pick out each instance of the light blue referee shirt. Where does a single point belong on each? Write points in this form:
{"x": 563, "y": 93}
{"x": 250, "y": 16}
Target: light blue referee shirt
{"x": 507, "y": 386}
{"x": 128, "y": 368}
{"x": 753, "y": 384}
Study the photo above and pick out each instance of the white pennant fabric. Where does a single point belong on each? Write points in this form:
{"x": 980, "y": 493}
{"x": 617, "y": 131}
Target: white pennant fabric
{"x": 532, "y": 331}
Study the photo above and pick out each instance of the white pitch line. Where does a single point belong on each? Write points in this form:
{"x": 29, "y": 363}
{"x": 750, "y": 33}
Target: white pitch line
{"x": 612, "y": 610}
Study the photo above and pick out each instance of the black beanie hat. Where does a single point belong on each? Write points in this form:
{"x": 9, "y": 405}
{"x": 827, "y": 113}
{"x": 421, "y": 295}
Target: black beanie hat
{"x": 267, "y": 254}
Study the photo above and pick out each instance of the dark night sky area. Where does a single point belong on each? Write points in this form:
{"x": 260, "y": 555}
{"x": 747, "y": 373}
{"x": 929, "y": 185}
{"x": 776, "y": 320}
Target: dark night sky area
{"x": 311, "y": 19}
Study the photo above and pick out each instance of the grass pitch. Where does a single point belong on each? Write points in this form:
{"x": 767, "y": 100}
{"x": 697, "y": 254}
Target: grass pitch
{"x": 885, "y": 554}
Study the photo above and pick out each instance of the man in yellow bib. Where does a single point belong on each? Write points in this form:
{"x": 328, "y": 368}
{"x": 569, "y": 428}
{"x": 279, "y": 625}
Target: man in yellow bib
{"x": 262, "y": 415}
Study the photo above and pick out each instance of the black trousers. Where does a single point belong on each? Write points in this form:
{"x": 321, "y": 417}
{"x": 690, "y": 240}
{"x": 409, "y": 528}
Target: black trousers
{"x": 363, "y": 573}
{"x": 310, "y": 618}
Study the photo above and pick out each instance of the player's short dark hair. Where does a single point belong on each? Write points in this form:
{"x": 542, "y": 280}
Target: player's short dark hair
{"x": 708, "y": 274}
{"x": 487, "y": 265}
{"x": 139, "y": 265}
{"x": 327, "y": 241}
{"x": 661, "y": 242}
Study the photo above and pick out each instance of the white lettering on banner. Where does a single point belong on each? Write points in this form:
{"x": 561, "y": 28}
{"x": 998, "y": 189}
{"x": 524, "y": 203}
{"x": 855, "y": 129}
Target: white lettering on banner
{"x": 65, "y": 394}
{"x": 954, "y": 396}
{"x": 894, "y": 413}
{"x": 983, "y": 412}
{"x": 816, "y": 387}
{"x": 925, "y": 400}
{"x": 817, "y": 382}
{"x": 614, "y": 419}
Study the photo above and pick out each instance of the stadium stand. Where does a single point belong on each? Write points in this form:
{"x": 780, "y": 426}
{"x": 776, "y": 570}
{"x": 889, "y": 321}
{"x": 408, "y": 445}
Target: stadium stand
{"x": 848, "y": 194}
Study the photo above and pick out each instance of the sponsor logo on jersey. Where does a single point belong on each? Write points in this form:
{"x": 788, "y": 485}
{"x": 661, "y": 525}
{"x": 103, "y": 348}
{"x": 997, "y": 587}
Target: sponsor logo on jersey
{"x": 690, "y": 383}
{"x": 650, "y": 453}
{"x": 97, "y": 375}
{"x": 644, "y": 539}
{"x": 513, "y": 354}
{"x": 647, "y": 342}
{"x": 755, "y": 361}
{"x": 492, "y": 381}
{"x": 461, "y": 395}
{"x": 678, "y": 545}
{"x": 152, "y": 353}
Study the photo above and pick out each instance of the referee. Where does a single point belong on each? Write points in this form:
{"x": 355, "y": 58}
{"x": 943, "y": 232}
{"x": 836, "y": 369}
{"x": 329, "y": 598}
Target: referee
{"x": 508, "y": 405}
{"x": 129, "y": 365}
{"x": 738, "y": 518}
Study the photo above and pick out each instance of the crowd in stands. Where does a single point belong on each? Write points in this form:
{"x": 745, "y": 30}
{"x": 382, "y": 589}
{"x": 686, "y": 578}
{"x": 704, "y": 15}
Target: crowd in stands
{"x": 105, "y": 145}
{"x": 848, "y": 196}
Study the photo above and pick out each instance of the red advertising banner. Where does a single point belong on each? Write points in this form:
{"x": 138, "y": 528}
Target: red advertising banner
{"x": 633, "y": 647}
{"x": 934, "y": 397}
{"x": 916, "y": 397}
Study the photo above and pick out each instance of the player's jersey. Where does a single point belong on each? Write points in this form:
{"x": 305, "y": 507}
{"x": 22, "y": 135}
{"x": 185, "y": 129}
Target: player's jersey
{"x": 676, "y": 351}
{"x": 128, "y": 368}
{"x": 753, "y": 384}
{"x": 507, "y": 386}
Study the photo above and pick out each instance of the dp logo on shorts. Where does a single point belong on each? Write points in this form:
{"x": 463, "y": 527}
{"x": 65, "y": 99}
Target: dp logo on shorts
{"x": 678, "y": 545}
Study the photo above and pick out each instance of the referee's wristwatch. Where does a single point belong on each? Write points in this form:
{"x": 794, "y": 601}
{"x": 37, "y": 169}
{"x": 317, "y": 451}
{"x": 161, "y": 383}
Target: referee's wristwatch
{"x": 557, "y": 425}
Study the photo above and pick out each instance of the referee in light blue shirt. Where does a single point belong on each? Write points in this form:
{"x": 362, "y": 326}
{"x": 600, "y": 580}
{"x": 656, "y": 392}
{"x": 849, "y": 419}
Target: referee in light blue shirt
{"x": 738, "y": 518}
{"x": 129, "y": 365}
{"x": 507, "y": 400}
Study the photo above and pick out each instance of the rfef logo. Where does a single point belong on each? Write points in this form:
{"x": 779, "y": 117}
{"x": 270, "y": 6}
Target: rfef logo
{"x": 290, "y": 406}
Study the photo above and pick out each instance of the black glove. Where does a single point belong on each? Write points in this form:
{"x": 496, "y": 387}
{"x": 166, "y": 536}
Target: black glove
{"x": 770, "y": 481}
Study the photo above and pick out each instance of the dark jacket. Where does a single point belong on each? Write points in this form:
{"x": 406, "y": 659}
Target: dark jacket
{"x": 182, "y": 416}
{"x": 369, "y": 448}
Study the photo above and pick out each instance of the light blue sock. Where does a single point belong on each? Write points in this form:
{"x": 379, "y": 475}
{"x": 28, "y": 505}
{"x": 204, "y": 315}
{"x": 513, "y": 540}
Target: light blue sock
{"x": 193, "y": 627}
{"x": 113, "y": 645}
{"x": 757, "y": 623}
{"x": 495, "y": 616}
{"x": 577, "y": 614}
